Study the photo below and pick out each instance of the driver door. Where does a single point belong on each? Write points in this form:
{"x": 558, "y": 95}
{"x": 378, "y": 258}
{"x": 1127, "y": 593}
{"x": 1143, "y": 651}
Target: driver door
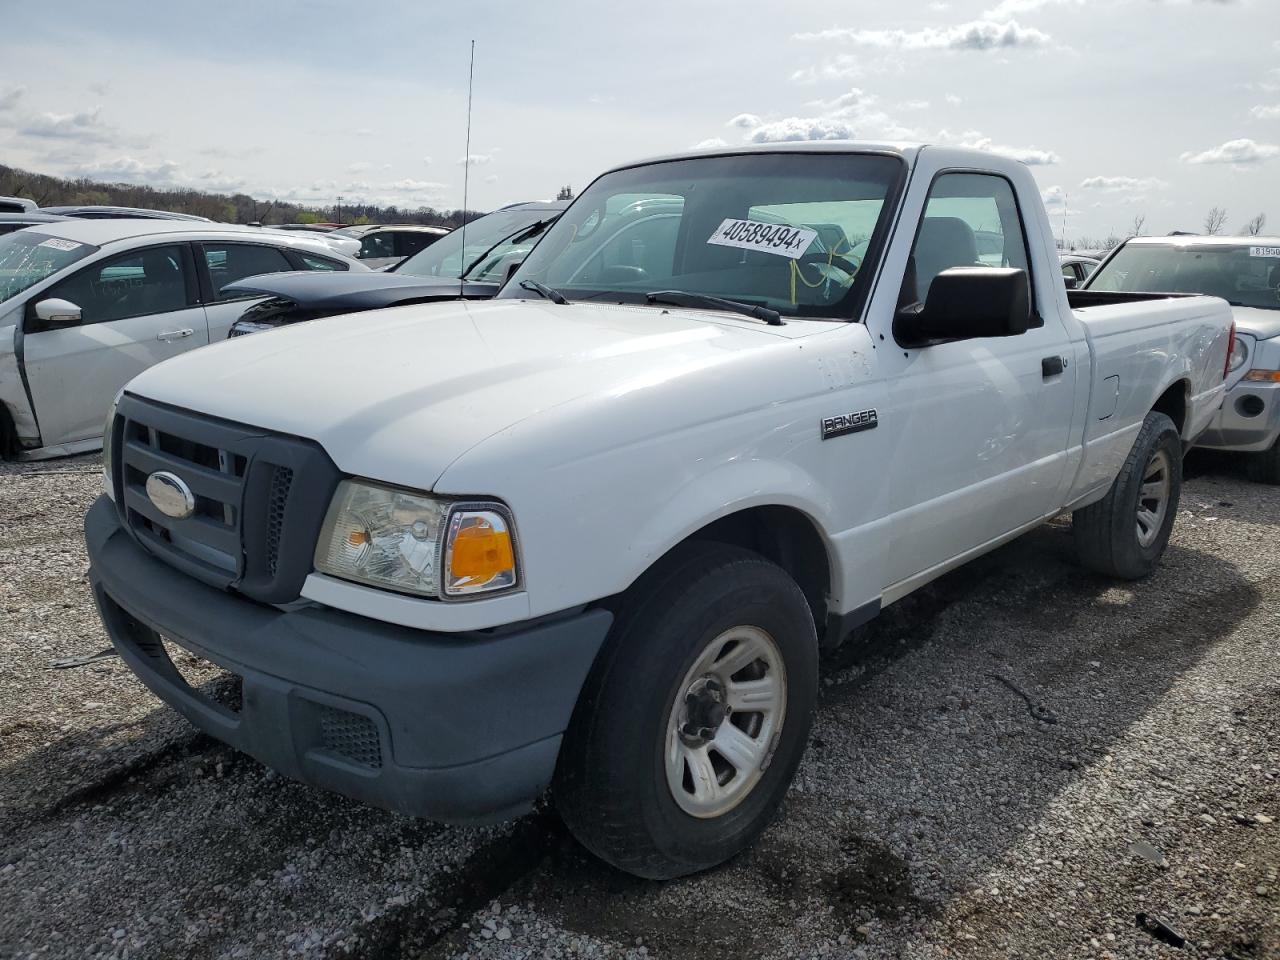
{"x": 136, "y": 309}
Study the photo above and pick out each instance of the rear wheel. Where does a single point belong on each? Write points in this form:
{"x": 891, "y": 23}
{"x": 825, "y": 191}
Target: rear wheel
{"x": 1125, "y": 533}
{"x": 1265, "y": 467}
{"x": 694, "y": 718}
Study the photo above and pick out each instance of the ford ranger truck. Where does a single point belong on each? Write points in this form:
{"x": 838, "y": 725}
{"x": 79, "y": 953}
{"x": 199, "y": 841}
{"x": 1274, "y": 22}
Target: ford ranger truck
{"x": 590, "y": 536}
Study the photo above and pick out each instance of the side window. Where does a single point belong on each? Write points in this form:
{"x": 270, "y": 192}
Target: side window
{"x": 312, "y": 262}
{"x": 229, "y": 262}
{"x": 410, "y": 242}
{"x": 970, "y": 220}
{"x": 135, "y": 284}
{"x": 1069, "y": 271}
{"x": 377, "y": 245}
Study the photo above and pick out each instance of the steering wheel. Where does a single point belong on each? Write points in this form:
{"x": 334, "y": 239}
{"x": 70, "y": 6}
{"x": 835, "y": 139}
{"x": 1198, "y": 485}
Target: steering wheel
{"x": 847, "y": 264}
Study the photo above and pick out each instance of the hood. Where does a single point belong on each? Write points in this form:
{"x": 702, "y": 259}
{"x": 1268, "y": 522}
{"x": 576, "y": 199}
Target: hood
{"x": 1256, "y": 322}
{"x": 356, "y": 290}
{"x": 403, "y": 394}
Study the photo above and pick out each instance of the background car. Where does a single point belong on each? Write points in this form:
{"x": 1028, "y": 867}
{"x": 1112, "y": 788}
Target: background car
{"x": 17, "y": 205}
{"x": 1076, "y": 268}
{"x": 443, "y": 271}
{"x": 1244, "y": 271}
{"x": 85, "y": 305}
{"x": 98, "y": 212}
{"x": 384, "y": 245}
{"x": 10, "y": 222}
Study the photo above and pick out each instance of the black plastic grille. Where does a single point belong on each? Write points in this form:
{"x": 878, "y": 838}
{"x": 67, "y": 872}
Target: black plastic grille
{"x": 350, "y": 736}
{"x": 281, "y": 483}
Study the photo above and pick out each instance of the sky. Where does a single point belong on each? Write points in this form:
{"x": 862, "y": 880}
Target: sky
{"x": 1123, "y": 108}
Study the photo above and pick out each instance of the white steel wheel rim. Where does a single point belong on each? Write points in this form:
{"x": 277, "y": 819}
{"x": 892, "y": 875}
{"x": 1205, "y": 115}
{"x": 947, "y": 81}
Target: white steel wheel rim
{"x": 1153, "y": 497}
{"x": 723, "y": 726}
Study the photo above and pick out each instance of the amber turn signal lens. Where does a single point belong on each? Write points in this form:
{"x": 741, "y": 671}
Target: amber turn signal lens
{"x": 1263, "y": 376}
{"x": 480, "y": 552}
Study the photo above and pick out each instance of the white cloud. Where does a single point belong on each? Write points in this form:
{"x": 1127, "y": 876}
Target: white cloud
{"x": 744, "y": 120}
{"x": 954, "y": 100}
{"x": 86, "y": 126}
{"x": 1266, "y": 112}
{"x": 801, "y": 128}
{"x": 9, "y": 99}
{"x": 1009, "y": 8}
{"x": 973, "y": 140}
{"x": 491, "y": 178}
{"x": 710, "y": 143}
{"x": 1055, "y": 201}
{"x": 914, "y": 105}
{"x": 843, "y": 66}
{"x": 427, "y": 161}
{"x": 1130, "y": 185}
{"x": 1239, "y": 153}
{"x": 477, "y": 159}
{"x": 975, "y": 35}
{"x": 130, "y": 170}
{"x": 359, "y": 166}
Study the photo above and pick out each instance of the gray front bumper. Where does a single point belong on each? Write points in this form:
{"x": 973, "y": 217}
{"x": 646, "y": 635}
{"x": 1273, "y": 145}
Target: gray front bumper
{"x": 1234, "y": 429}
{"x": 462, "y": 729}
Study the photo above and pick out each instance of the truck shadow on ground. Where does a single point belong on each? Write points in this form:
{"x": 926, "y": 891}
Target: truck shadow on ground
{"x": 877, "y": 799}
{"x": 890, "y": 776}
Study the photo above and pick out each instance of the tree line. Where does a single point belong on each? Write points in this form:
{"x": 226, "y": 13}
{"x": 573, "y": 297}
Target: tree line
{"x": 49, "y": 191}
{"x": 1214, "y": 225}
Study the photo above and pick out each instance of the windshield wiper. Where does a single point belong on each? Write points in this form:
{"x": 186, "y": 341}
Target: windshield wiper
{"x": 681, "y": 299}
{"x": 555, "y": 296}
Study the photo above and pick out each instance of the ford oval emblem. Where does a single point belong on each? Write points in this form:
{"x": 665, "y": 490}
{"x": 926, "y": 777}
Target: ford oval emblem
{"x": 171, "y": 495}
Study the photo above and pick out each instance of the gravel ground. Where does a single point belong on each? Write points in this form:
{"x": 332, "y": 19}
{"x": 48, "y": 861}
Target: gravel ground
{"x": 1015, "y": 762}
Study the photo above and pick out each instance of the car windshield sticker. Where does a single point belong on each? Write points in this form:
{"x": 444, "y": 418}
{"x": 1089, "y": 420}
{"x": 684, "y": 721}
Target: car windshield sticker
{"x": 775, "y": 238}
{"x": 1264, "y": 251}
{"x": 57, "y": 243}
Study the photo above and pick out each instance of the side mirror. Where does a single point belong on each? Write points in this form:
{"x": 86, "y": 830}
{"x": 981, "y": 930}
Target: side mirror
{"x": 1071, "y": 282}
{"x": 55, "y": 314}
{"x": 967, "y": 303}
{"x": 512, "y": 267}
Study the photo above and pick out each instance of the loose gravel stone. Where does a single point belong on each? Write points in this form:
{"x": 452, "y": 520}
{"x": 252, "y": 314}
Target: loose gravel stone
{"x": 934, "y": 815}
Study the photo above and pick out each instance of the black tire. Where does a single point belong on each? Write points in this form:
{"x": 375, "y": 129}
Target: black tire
{"x": 611, "y": 783}
{"x": 1265, "y": 467}
{"x": 1107, "y": 532}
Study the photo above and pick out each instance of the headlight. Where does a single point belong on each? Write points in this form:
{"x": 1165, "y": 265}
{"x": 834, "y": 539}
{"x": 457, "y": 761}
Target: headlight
{"x": 1239, "y": 354}
{"x": 107, "y": 429}
{"x": 393, "y": 538}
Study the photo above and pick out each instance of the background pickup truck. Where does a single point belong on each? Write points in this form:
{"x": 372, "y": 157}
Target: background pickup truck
{"x": 592, "y": 534}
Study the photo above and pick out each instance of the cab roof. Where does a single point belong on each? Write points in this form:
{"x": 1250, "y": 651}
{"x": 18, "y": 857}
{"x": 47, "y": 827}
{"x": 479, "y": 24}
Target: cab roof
{"x": 1195, "y": 240}
{"x": 908, "y": 151}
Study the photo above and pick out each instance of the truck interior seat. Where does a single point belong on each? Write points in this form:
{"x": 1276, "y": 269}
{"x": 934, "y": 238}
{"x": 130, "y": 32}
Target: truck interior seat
{"x": 944, "y": 242}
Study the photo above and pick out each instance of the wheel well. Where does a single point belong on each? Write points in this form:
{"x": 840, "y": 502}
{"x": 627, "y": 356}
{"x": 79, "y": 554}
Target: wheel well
{"x": 787, "y": 537}
{"x": 1173, "y": 404}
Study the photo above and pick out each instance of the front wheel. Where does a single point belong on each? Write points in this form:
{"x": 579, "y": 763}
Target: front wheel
{"x": 1125, "y": 533}
{"x": 693, "y": 720}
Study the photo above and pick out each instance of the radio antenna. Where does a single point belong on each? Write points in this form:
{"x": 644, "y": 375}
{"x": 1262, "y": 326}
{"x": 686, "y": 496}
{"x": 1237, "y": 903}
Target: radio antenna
{"x": 466, "y": 172}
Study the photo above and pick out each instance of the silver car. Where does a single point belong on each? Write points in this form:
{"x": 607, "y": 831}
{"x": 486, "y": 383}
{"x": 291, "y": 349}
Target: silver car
{"x": 1244, "y": 271}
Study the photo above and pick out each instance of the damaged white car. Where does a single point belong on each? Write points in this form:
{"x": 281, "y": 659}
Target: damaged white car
{"x": 86, "y": 305}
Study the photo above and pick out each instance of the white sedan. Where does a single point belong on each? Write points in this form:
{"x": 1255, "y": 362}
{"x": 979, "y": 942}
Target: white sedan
{"x": 85, "y": 305}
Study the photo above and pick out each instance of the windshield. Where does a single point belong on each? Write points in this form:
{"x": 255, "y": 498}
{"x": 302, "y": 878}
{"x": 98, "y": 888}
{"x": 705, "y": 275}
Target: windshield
{"x": 27, "y": 257}
{"x": 493, "y": 242}
{"x": 1247, "y": 275}
{"x": 786, "y": 231}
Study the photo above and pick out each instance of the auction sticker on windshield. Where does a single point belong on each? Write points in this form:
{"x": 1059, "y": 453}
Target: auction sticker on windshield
{"x": 1254, "y": 251}
{"x": 57, "y": 243}
{"x": 775, "y": 238}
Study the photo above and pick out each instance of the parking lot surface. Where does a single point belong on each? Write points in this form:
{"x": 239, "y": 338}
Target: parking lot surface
{"x": 1018, "y": 761}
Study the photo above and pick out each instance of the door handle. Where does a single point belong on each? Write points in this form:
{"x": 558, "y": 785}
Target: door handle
{"x": 175, "y": 334}
{"x": 1052, "y": 366}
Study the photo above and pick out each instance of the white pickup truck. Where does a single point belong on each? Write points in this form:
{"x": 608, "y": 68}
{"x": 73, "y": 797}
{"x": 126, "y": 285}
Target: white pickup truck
{"x": 592, "y": 535}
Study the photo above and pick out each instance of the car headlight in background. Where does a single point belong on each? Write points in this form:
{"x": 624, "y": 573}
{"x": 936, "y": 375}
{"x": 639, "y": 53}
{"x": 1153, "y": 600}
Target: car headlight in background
{"x": 1239, "y": 354}
{"x": 399, "y": 540}
{"x": 107, "y": 429}
{"x": 1263, "y": 376}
